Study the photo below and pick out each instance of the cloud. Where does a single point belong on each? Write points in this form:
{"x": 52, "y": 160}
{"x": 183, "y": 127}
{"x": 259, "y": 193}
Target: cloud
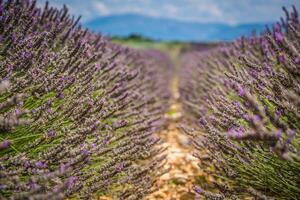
{"x": 170, "y": 9}
{"x": 101, "y": 8}
{"x": 224, "y": 11}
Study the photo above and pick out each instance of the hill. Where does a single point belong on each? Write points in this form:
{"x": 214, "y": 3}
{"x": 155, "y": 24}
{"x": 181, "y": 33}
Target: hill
{"x": 169, "y": 29}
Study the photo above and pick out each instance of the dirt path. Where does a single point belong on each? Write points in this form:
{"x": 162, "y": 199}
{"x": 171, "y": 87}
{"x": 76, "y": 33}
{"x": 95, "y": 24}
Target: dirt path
{"x": 178, "y": 182}
{"x": 183, "y": 167}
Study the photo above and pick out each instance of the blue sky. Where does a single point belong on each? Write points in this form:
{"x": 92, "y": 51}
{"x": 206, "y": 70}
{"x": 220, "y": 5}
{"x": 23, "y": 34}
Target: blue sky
{"x": 223, "y": 11}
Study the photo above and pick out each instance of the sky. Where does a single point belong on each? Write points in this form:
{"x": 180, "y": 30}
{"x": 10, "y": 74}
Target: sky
{"x": 231, "y": 12}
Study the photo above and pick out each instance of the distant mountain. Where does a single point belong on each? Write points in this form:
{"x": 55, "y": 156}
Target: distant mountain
{"x": 169, "y": 29}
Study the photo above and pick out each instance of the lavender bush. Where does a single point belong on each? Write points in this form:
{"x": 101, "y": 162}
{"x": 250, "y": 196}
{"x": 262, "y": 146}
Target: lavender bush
{"x": 77, "y": 113}
{"x": 241, "y": 102}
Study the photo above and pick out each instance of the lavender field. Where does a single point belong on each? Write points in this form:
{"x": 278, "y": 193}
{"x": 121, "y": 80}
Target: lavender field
{"x": 86, "y": 116}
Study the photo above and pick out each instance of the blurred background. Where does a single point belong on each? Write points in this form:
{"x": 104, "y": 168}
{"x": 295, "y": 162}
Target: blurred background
{"x": 176, "y": 20}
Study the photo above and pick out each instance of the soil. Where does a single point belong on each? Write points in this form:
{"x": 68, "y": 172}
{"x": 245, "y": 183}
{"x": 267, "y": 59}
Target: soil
{"x": 182, "y": 167}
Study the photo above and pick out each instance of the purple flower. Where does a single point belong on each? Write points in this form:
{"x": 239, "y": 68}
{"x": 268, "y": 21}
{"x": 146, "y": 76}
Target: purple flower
{"x": 241, "y": 90}
{"x": 291, "y": 132}
{"x": 14, "y": 39}
{"x": 21, "y": 103}
{"x": 26, "y": 55}
{"x": 32, "y": 185}
{"x": 203, "y": 110}
{"x": 95, "y": 125}
{"x": 289, "y": 140}
{"x": 268, "y": 69}
{"x": 197, "y": 189}
{"x": 202, "y": 121}
{"x": 237, "y": 104}
{"x": 246, "y": 117}
{"x": 98, "y": 66}
{"x": 297, "y": 60}
{"x": 5, "y": 144}
{"x": 278, "y": 112}
{"x": 85, "y": 152}
{"x": 254, "y": 74}
{"x": 56, "y": 189}
{"x": 266, "y": 108}
{"x": 2, "y": 186}
{"x": 62, "y": 168}
{"x": 277, "y": 27}
{"x": 10, "y": 68}
{"x": 281, "y": 58}
{"x": 278, "y": 37}
{"x": 17, "y": 111}
{"x": 278, "y": 134}
{"x": 71, "y": 182}
{"x": 40, "y": 164}
{"x": 49, "y": 102}
{"x": 120, "y": 166}
{"x": 257, "y": 118}
{"x": 60, "y": 95}
{"x": 27, "y": 164}
{"x": 105, "y": 142}
{"x": 51, "y": 133}
{"x": 235, "y": 132}
{"x": 290, "y": 135}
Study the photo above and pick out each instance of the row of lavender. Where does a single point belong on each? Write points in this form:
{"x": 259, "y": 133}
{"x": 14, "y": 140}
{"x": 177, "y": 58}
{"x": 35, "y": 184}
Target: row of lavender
{"x": 78, "y": 115}
{"x": 241, "y": 102}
